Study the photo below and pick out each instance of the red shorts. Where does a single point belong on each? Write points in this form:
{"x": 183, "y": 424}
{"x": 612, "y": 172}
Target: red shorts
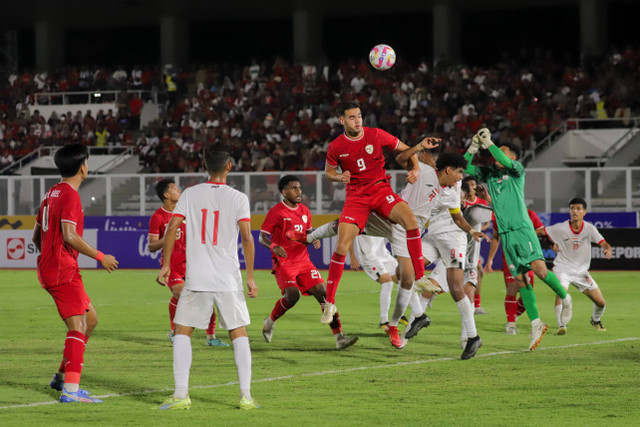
{"x": 178, "y": 272}
{"x": 70, "y": 297}
{"x": 508, "y": 277}
{"x": 380, "y": 199}
{"x": 303, "y": 275}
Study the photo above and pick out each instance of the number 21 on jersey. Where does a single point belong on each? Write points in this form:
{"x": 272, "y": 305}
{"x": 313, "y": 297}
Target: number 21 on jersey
{"x": 203, "y": 234}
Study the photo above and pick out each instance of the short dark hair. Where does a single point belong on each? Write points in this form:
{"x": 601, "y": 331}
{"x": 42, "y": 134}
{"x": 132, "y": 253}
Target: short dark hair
{"x": 215, "y": 159}
{"x": 453, "y": 160}
{"x": 285, "y": 180}
{"x": 513, "y": 147}
{"x": 347, "y": 105}
{"x": 70, "y": 158}
{"x": 578, "y": 201}
{"x": 163, "y": 186}
{"x": 465, "y": 182}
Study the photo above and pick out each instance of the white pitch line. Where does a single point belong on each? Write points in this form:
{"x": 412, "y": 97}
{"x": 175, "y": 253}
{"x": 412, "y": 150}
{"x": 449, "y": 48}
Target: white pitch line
{"x": 335, "y": 371}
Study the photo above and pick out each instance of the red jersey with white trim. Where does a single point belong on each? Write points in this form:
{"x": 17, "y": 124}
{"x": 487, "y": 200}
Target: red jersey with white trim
{"x": 477, "y": 201}
{"x": 362, "y": 157}
{"x": 58, "y": 261}
{"x": 278, "y": 221}
{"x": 158, "y": 226}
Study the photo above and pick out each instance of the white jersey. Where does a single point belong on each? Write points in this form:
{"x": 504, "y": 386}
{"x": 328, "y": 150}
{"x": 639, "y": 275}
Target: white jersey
{"x": 574, "y": 248}
{"x": 212, "y": 212}
{"x": 426, "y": 192}
{"x": 440, "y": 220}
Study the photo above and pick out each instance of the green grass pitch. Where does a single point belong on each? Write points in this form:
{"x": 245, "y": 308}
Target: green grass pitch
{"x": 583, "y": 378}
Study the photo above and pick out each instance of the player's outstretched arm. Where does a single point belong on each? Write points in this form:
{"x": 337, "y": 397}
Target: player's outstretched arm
{"x": 265, "y": 241}
{"x": 484, "y": 136}
{"x": 493, "y": 248}
{"x": 249, "y": 256}
{"x": 355, "y": 265}
{"x": 607, "y": 249}
{"x": 332, "y": 174}
{"x": 407, "y": 157}
{"x": 36, "y": 237}
{"x": 73, "y": 239}
{"x": 466, "y": 227}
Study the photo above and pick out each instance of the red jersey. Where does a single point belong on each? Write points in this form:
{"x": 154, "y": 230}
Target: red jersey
{"x": 362, "y": 157}
{"x": 278, "y": 221}
{"x": 58, "y": 261}
{"x": 158, "y": 226}
{"x": 478, "y": 201}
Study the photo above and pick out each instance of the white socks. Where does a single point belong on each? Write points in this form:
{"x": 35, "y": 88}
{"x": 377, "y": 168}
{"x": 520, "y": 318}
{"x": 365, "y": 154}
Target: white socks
{"x": 558, "y": 309}
{"x": 182, "y": 357}
{"x": 466, "y": 313}
{"x": 329, "y": 229}
{"x": 385, "y": 301}
{"x": 242, "y": 359}
{"x": 597, "y": 312}
{"x": 402, "y": 301}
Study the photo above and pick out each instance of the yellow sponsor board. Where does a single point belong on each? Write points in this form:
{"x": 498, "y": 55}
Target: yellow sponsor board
{"x": 17, "y": 222}
{"x": 316, "y": 220}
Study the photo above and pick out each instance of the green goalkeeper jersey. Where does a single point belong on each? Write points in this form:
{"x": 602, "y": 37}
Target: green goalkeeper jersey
{"x": 506, "y": 187}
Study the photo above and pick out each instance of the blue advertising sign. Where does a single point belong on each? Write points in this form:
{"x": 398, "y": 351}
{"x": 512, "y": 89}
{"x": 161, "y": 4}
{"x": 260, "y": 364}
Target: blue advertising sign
{"x": 117, "y": 223}
{"x": 599, "y": 219}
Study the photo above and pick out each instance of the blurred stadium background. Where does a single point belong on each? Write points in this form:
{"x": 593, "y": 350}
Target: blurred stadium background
{"x": 146, "y": 84}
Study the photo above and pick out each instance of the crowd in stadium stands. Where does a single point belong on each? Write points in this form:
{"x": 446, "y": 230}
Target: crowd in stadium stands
{"x": 280, "y": 116}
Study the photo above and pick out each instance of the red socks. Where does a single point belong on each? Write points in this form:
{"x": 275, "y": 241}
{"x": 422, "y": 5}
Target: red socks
{"x": 173, "y": 304}
{"x": 281, "y": 307}
{"x": 414, "y": 245}
{"x": 511, "y": 307}
{"x": 476, "y": 300}
{"x": 336, "y": 267}
{"x": 74, "y": 346}
{"x": 211, "y": 330}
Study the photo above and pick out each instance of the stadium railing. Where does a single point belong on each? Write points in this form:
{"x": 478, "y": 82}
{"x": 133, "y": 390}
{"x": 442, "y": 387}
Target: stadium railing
{"x": 547, "y": 190}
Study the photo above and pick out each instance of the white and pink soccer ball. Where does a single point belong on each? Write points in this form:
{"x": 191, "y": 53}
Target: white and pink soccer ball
{"x": 382, "y": 57}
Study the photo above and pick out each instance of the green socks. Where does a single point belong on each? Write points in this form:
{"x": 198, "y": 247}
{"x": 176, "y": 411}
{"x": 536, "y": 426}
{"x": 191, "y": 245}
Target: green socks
{"x": 552, "y": 281}
{"x": 529, "y": 302}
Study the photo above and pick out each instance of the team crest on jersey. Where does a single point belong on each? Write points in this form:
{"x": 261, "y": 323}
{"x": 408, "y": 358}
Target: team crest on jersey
{"x": 369, "y": 149}
{"x": 304, "y": 219}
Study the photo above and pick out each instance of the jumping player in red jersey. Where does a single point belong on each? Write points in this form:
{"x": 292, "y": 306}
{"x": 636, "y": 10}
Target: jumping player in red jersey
{"x": 169, "y": 193}
{"x": 294, "y": 271}
{"x": 512, "y": 307}
{"x": 58, "y": 237}
{"x": 359, "y": 153}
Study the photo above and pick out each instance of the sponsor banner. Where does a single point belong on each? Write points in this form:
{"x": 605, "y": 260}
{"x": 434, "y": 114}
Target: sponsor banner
{"x": 18, "y": 251}
{"x": 129, "y": 247}
{"x": 117, "y": 223}
{"x": 17, "y": 222}
{"x": 599, "y": 219}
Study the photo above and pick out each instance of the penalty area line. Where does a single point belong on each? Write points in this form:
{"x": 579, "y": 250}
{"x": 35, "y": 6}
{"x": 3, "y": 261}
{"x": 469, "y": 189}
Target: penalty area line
{"x": 334, "y": 371}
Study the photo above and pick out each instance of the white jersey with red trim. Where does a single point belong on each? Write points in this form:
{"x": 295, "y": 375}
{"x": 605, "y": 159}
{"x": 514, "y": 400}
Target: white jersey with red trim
{"x": 574, "y": 248}
{"x": 426, "y": 193}
{"x": 212, "y": 212}
{"x": 441, "y": 221}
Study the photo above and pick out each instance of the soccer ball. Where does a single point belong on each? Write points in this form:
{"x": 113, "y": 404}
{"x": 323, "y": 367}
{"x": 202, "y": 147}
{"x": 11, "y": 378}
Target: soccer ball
{"x": 382, "y": 57}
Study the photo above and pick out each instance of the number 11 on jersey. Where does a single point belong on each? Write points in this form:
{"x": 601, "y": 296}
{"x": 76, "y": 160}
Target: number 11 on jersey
{"x": 216, "y": 214}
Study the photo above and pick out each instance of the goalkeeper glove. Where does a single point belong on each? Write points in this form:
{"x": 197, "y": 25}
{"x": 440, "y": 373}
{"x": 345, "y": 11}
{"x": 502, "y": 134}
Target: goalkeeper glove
{"x": 484, "y": 136}
{"x": 475, "y": 145}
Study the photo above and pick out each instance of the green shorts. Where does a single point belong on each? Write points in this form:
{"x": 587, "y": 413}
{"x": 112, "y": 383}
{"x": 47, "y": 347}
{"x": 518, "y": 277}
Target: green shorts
{"x": 520, "y": 248}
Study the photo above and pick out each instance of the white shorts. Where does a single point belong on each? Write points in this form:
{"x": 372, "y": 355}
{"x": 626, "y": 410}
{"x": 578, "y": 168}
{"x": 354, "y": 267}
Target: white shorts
{"x": 471, "y": 276}
{"x": 195, "y": 309}
{"x": 399, "y": 238}
{"x": 581, "y": 280}
{"x": 378, "y": 226}
{"x": 380, "y": 267}
{"x": 450, "y": 247}
{"x": 439, "y": 274}
{"x": 374, "y": 256}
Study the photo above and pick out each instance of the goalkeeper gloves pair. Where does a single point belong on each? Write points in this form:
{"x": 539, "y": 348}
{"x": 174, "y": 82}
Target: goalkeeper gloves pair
{"x": 480, "y": 139}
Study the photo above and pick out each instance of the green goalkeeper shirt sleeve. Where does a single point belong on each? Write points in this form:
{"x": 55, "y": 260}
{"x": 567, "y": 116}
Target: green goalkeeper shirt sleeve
{"x": 470, "y": 169}
{"x": 500, "y": 157}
